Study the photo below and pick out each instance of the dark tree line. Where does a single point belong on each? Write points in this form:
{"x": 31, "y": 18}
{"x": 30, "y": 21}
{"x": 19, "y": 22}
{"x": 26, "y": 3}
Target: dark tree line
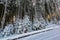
{"x": 20, "y": 8}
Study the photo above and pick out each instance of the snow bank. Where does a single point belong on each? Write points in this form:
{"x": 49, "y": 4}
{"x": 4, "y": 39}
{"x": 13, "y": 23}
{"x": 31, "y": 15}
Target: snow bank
{"x": 30, "y": 33}
{"x": 21, "y": 26}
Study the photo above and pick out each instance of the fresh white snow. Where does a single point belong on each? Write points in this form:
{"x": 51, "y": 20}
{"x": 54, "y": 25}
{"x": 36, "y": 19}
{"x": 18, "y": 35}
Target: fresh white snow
{"x": 40, "y": 36}
{"x": 48, "y": 35}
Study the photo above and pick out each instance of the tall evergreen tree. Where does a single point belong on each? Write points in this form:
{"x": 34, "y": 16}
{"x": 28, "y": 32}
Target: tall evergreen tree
{"x": 27, "y": 8}
{"x": 50, "y": 9}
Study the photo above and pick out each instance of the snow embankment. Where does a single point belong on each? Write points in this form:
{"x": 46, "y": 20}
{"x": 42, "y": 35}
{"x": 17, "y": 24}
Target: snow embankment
{"x": 31, "y": 33}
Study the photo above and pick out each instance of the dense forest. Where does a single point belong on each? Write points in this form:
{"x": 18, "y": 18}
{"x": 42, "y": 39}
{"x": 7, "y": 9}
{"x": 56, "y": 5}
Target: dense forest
{"x": 27, "y": 15}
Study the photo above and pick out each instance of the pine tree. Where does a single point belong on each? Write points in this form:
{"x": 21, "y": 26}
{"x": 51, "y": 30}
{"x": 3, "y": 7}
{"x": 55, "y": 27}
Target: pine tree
{"x": 51, "y": 9}
{"x": 27, "y": 8}
{"x": 39, "y": 11}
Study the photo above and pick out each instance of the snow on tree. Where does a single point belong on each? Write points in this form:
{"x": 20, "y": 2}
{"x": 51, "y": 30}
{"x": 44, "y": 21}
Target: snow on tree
{"x": 39, "y": 24}
{"x": 27, "y": 24}
{"x": 43, "y": 23}
{"x": 8, "y": 30}
{"x": 18, "y": 26}
{"x": 36, "y": 24}
{"x": 27, "y": 18}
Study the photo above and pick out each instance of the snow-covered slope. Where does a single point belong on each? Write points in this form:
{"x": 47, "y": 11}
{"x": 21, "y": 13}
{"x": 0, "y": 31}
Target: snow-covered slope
{"x": 38, "y": 35}
{"x": 48, "y": 35}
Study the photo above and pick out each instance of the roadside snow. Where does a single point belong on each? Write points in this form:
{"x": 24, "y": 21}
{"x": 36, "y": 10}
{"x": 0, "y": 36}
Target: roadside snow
{"x": 25, "y": 34}
{"x": 48, "y": 35}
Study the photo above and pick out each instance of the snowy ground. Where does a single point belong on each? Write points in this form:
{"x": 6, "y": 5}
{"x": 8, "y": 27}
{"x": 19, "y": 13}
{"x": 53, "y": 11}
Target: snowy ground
{"x": 49, "y": 35}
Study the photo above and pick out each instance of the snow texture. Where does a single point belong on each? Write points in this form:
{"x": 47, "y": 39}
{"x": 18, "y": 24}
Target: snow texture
{"x": 23, "y": 26}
